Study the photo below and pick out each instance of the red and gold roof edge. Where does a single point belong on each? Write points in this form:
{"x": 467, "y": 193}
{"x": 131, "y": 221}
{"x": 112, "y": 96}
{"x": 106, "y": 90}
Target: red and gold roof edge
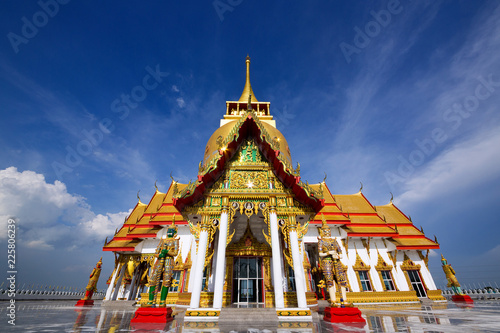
{"x": 249, "y": 124}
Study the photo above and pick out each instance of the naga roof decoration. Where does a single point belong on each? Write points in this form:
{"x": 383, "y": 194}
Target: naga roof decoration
{"x": 249, "y": 125}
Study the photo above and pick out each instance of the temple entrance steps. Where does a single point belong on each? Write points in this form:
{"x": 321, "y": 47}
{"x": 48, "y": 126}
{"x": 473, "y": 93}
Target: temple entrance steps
{"x": 263, "y": 318}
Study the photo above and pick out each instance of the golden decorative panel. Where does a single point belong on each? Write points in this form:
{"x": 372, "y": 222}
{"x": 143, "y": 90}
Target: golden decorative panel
{"x": 382, "y": 297}
{"x": 206, "y": 299}
{"x": 435, "y": 295}
{"x": 202, "y": 313}
{"x": 249, "y": 180}
{"x": 248, "y": 245}
{"x": 408, "y": 264}
{"x": 184, "y": 299}
{"x": 286, "y": 313}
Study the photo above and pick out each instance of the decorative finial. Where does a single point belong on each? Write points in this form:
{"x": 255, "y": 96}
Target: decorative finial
{"x": 173, "y": 181}
{"x": 392, "y": 197}
{"x": 324, "y": 179}
{"x": 422, "y": 229}
{"x": 435, "y": 240}
{"x": 156, "y": 187}
{"x": 361, "y": 188}
{"x": 247, "y": 90}
{"x": 138, "y": 198}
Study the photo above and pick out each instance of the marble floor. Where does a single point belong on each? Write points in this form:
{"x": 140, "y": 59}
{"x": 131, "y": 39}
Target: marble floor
{"x": 62, "y": 316}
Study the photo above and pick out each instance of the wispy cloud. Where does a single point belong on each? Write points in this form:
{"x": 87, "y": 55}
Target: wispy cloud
{"x": 180, "y": 102}
{"x": 464, "y": 165}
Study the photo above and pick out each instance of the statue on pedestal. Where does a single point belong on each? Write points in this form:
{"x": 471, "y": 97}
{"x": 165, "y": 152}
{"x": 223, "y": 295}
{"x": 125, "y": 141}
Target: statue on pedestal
{"x": 450, "y": 276}
{"x": 94, "y": 278}
{"x": 163, "y": 267}
{"x": 91, "y": 286}
{"x": 333, "y": 270}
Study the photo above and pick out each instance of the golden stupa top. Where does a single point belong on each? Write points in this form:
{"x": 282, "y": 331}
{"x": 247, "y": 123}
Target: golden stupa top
{"x": 247, "y": 90}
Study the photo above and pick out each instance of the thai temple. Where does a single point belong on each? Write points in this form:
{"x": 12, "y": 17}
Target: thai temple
{"x": 248, "y": 230}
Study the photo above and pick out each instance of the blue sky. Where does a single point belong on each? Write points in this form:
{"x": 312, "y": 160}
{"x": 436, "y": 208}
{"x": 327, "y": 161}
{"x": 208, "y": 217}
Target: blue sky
{"x": 400, "y": 95}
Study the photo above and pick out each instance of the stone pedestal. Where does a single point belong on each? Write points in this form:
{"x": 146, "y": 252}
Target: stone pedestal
{"x": 152, "y": 315}
{"x": 85, "y": 302}
{"x": 343, "y": 315}
{"x": 462, "y": 299}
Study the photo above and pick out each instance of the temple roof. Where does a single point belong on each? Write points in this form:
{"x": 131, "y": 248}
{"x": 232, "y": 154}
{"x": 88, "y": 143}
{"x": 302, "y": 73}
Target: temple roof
{"x": 224, "y": 131}
{"x": 271, "y": 147}
{"x": 356, "y": 215}
{"x": 249, "y": 118}
{"x": 146, "y": 220}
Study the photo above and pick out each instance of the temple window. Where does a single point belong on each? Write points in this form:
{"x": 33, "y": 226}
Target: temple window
{"x": 364, "y": 280}
{"x": 387, "y": 280}
{"x": 291, "y": 279}
{"x": 385, "y": 275}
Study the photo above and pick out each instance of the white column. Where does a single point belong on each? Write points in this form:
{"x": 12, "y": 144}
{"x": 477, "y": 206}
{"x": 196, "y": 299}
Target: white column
{"x": 200, "y": 263}
{"x": 101, "y": 320}
{"x": 298, "y": 269}
{"x": 111, "y": 284}
{"x": 194, "y": 256}
{"x": 133, "y": 284}
{"x": 276, "y": 251}
{"x": 220, "y": 272}
{"x": 119, "y": 283}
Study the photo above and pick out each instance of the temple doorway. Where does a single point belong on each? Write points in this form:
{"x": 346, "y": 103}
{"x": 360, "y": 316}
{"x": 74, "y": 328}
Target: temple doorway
{"x": 248, "y": 281}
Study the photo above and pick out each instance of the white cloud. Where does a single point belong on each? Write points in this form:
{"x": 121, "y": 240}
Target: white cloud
{"x": 464, "y": 165}
{"x": 174, "y": 88}
{"x": 180, "y": 102}
{"x": 47, "y": 215}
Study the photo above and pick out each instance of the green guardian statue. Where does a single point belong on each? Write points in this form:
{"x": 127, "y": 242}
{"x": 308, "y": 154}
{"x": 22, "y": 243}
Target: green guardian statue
{"x": 163, "y": 267}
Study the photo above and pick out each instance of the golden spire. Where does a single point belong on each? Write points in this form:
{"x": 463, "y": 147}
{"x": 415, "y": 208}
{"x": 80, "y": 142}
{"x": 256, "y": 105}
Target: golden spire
{"x": 247, "y": 90}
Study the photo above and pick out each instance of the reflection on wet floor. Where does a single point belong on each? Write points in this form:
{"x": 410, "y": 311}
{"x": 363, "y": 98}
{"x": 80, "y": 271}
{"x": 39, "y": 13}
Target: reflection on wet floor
{"x": 62, "y": 316}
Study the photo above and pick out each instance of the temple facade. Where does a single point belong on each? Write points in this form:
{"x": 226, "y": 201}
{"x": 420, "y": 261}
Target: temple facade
{"x": 248, "y": 230}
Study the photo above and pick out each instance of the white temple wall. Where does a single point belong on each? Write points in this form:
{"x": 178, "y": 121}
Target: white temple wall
{"x": 312, "y": 234}
{"x": 373, "y": 251}
{"x": 424, "y": 271}
{"x": 351, "y": 260}
{"x": 148, "y": 245}
{"x": 388, "y": 324}
{"x": 400, "y": 276}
